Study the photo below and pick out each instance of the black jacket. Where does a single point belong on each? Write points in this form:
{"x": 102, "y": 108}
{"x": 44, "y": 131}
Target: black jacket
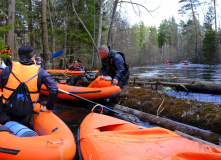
{"x": 43, "y": 78}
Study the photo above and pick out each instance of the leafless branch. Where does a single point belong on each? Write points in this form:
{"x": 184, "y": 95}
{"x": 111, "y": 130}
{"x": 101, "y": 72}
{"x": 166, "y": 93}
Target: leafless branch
{"x": 137, "y": 4}
{"x": 4, "y": 13}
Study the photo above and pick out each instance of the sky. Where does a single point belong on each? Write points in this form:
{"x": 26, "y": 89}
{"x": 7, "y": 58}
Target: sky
{"x": 164, "y": 9}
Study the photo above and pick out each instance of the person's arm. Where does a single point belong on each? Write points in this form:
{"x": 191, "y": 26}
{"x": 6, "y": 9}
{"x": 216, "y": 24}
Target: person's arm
{"x": 119, "y": 62}
{"x": 50, "y": 83}
{"x": 4, "y": 76}
{"x": 103, "y": 67}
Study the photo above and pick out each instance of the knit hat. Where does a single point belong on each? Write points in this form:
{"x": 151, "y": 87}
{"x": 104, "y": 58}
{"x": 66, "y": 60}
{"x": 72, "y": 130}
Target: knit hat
{"x": 26, "y": 52}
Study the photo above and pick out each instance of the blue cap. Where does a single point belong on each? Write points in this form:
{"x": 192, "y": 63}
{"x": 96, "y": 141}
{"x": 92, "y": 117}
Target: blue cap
{"x": 26, "y": 52}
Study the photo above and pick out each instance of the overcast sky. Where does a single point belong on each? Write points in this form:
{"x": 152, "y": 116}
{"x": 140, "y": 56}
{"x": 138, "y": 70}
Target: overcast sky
{"x": 166, "y": 9}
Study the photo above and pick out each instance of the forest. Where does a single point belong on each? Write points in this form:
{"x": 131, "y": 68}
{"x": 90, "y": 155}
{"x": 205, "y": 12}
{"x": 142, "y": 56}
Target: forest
{"x": 79, "y": 27}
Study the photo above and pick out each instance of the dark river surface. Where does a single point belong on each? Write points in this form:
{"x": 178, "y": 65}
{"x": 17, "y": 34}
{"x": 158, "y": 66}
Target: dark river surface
{"x": 73, "y": 112}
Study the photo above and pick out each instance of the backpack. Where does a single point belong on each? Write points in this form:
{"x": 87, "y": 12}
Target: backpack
{"x": 19, "y": 102}
{"x": 82, "y": 80}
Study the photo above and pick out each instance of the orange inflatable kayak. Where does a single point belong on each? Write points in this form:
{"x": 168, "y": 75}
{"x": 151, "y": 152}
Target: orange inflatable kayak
{"x": 55, "y": 140}
{"x": 98, "y": 89}
{"x": 102, "y": 137}
{"x": 70, "y": 72}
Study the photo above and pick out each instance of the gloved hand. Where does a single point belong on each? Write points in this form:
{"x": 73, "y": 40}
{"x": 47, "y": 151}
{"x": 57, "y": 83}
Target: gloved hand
{"x": 44, "y": 109}
{"x": 115, "y": 81}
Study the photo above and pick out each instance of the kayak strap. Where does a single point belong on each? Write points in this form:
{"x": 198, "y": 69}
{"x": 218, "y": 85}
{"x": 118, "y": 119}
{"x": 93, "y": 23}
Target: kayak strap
{"x": 96, "y": 106}
{"x": 3, "y": 128}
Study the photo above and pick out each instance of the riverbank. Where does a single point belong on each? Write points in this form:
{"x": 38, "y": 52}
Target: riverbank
{"x": 199, "y": 114}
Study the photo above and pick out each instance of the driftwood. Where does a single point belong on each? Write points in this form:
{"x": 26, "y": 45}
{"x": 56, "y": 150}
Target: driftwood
{"x": 179, "y": 84}
{"x": 172, "y": 125}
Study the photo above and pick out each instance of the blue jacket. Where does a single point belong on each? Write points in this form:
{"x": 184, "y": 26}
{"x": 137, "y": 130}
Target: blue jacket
{"x": 43, "y": 78}
{"x": 117, "y": 64}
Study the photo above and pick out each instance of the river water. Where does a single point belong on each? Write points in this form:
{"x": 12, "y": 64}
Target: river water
{"x": 73, "y": 112}
{"x": 192, "y": 71}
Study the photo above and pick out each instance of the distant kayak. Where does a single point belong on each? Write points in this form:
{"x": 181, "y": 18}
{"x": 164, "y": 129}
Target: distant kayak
{"x": 169, "y": 63}
{"x": 101, "y": 137}
{"x": 185, "y": 62}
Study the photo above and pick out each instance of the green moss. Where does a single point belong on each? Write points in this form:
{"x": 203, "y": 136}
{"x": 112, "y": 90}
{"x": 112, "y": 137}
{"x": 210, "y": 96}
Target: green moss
{"x": 199, "y": 114}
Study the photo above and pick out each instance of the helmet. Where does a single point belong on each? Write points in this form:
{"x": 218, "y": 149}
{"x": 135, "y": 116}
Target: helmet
{"x": 38, "y": 58}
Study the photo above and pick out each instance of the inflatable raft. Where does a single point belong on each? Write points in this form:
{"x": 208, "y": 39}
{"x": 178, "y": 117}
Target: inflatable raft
{"x": 98, "y": 89}
{"x": 102, "y": 137}
{"x": 69, "y": 72}
{"x": 55, "y": 140}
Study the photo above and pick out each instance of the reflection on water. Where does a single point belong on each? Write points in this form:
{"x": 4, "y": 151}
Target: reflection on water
{"x": 72, "y": 113}
{"x": 191, "y": 71}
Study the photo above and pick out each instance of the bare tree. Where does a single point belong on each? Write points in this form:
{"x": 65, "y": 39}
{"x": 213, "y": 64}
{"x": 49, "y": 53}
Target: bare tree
{"x": 30, "y": 24}
{"x": 96, "y": 56}
{"x": 114, "y": 12}
{"x": 46, "y": 51}
{"x": 53, "y": 32}
{"x": 11, "y": 20}
{"x": 216, "y": 50}
{"x": 85, "y": 28}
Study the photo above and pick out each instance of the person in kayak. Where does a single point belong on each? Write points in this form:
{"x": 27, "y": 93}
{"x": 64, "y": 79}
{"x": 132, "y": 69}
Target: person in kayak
{"x": 7, "y": 55}
{"x": 114, "y": 65}
{"x": 76, "y": 66}
{"x": 39, "y": 62}
{"x": 18, "y": 73}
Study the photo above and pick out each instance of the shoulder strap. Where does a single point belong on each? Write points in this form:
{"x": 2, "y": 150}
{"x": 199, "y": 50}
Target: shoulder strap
{"x": 28, "y": 79}
{"x": 33, "y": 76}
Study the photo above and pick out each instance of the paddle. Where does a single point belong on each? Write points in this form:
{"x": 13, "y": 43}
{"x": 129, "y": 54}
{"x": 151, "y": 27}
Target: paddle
{"x": 54, "y": 55}
{"x": 88, "y": 101}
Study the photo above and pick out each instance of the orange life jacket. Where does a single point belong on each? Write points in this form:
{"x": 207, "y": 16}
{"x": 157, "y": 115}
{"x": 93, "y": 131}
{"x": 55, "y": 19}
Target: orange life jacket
{"x": 23, "y": 73}
{"x": 73, "y": 64}
{"x": 7, "y": 51}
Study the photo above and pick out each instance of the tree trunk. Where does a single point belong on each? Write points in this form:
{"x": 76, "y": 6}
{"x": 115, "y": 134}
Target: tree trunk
{"x": 53, "y": 34}
{"x": 46, "y": 51}
{"x": 85, "y": 28}
{"x": 216, "y": 51}
{"x": 172, "y": 125}
{"x": 65, "y": 42}
{"x": 112, "y": 22}
{"x": 11, "y": 19}
{"x": 30, "y": 24}
{"x": 97, "y": 57}
{"x": 197, "y": 34}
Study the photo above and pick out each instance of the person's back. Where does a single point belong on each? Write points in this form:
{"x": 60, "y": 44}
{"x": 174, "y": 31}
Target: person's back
{"x": 25, "y": 71}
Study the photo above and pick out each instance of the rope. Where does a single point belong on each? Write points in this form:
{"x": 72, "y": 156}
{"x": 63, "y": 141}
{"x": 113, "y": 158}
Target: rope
{"x": 96, "y": 106}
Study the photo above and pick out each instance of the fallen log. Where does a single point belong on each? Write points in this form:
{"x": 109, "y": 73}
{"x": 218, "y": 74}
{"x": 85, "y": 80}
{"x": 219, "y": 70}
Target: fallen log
{"x": 172, "y": 125}
{"x": 191, "y": 85}
{"x": 195, "y": 139}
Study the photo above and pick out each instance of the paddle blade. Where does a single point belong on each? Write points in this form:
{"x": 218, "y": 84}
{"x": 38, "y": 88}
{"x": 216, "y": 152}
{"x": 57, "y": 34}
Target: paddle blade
{"x": 42, "y": 55}
{"x": 57, "y": 54}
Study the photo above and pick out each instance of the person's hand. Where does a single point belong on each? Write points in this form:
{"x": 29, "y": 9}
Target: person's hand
{"x": 115, "y": 81}
{"x": 44, "y": 109}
